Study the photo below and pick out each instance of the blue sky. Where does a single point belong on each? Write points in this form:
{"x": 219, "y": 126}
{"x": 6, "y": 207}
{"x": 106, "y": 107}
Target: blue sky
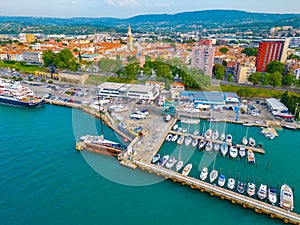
{"x": 128, "y": 8}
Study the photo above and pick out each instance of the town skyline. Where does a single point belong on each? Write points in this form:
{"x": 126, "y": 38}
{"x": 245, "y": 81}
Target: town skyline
{"x": 130, "y": 8}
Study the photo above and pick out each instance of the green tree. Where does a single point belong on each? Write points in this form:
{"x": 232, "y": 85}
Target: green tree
{"x": 274, "y": 79}
{"x": 131, "y": 59}
{"x": 230, "y": 77}
{"x": 224, "y": 50}
{"x": 147, "y": 68}
{"x": 288, "y": 80}
{"x": 255, "y": 78}
{"x": 66, "y": 60}
{"x": 130, "y": 71}
{"x": 275, "y": 66}
{"x": 48, "y": 57}
{"x": 250, "y": 51}
{"x": 224, "y": 63}
{"x": 219, "y": 71}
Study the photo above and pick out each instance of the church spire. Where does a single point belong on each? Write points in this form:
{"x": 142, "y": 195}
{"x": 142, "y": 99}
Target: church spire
{"x": 129, "y": 39}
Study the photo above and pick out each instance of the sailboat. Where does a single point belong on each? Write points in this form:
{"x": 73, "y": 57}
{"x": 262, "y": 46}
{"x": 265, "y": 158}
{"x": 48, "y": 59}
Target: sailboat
{"x": 213, "y": 175}
{"x": 223, "y": 135}
{"x": 224, "y": 148}
{"x": 251, "y": 141}
{"x": 245, "y": 139}
{"x": 203, "y": 174}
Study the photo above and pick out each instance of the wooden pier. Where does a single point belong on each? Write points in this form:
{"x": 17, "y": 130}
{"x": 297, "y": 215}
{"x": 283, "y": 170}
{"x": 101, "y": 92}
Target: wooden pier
{"x": 258, "y": 150}
{"x": 222, "y": 193}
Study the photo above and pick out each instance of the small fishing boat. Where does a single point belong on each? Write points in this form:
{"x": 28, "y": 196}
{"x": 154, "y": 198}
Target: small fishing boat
{"x": 242, "y": 151}
{"x": 208, "y": 146}
{"x": 180, "y": 140}
{"x": 241, "y": 186}
{"x": 194, "y": 143}
{"x": 179, "y": 165}
{"x": 250, "y": 156}
{"x": 196, "y": 133}
{"x": 170, "y": 163}
{"x": 208, "y": 134}
{"x": 215, "y": 135}
{"x": 175, "y": 137}
{"x": 175, "y": 127}
{"x": 204, "y": 173}
{"x": 213, "y": 175}
{"x": 162, "y": 161}
{"x": 223, "y": 137}
{"x": 188, "y": 140}
{"x": 224, "y": 148}
{"x": 187, "y": 169}
{"x": 251, "y": 142}
{"x": 202, "y": 144}
{"x": 286, "y": 198}
{"x": 251, "y": 189}
{"x": 184, "y": 130}
{"x": 169, "y": 137}
{"x": 272, "y": 195}
{"x": 228, "y": 138}
{"x": 262, "y": 191}
{"x": 231, "y": 183}
{"x": 155, "y": 158}
{"x": 221, "y": 180}
{"x": 216, "y": 147}
{"x": 245, "y": 140}
{"x": 233, "y": 152}
{"x": 179, "y": 129}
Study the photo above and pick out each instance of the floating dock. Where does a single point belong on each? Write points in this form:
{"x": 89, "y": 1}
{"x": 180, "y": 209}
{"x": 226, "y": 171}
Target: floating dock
{"x": 100, "y": 149}
{"x": 222, "y": 193}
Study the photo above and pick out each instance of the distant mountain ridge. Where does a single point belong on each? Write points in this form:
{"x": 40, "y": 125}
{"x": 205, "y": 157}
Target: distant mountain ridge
{"x": 205, "y": 16}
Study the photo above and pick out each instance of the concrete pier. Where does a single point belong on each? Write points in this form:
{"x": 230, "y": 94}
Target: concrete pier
{"x": 222, "y": 193}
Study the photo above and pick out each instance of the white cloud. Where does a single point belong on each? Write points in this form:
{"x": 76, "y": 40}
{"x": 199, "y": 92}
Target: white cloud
{"x": 122, "y": 3}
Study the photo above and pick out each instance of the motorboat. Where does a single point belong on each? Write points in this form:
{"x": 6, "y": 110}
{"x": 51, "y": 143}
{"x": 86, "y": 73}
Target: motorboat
{"x": 221, "y": 180}
{"x": 175, "y": 137}
{"x": 223, "y": 137}
{"x": 204, "y": 173}
{"x": 188, "y": 140}
{"x": 208, "y": 133}
{"x": 169, "y": 137}
{"x": 286, "y": 198}
{"x": 184, "y": 130}
{"x": 171, "y": 162}
{"x": 250, "y": 156}
{"x": 180, "y": 140}
{"x": 202, "y": 144}
{"x": 175, "y": 127}
{"x": 231, "y": 183}
{"x": 242, "y": 151}
{"x": 272, "y": 195}
{"x": 208, "y": 146}
{"x": 251, "y": 189}
{"x": 262, "y": 191}
{"x": 179, "y": 165}
{"x": 216, "y": 147}
{"x": 228, "y": 138}
{"x": 162, "y": 161}
{"x": 215, "y": 135}
{"x": 224, "y": 148}
{"x": 233, "y": 152}
{"x": 187, "y": 169}
{"x": 251, "y": 142}
{"x": 245, "y": 140}
{"x": 155, "y": 158}
{"x": 179, "y": 129}
{"x": 194, "y": 143}
{"x": 241, "y": 186}
{"x": 213, "y": 175}
{"x": 196, "y": 133}
{"x": 168, "y": 118}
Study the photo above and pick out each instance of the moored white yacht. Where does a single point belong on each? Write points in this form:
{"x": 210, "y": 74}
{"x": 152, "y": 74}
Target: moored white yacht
{"x": 245, "y": 140}
{"x": 228, "y": 138}
{"x": 175, "y": 137}
{"x": 170, "y": 163}
{"x": 188, "y": 140}
{"x": 169, "y": 137}
{"x": 233, "y": 152}
{"x": 155, "y": 158}
{"x": 221, "y": 180}
{"x": 179, "y": 165}
{"x": 204, "y": 173}
{"x": 272, "y": 195}
{"x": 187, "y": 169}
{"x": 208, "y": 133}
{"x": 215, "y": 135}
{"x": 242, "y": 151}
{"x": 208, "y": 146}
{"x": 213, "y": 175}
{"x": 202, "y": 144}
{"x": 241, "y": 186}
{"x": 286, "y": 198}
{"x": 251, "y": 142}
{"x": 162, "y": 161}
{"x": 251, "y": 189}
{"x": 231, "y": 183}
{"x": 250, "y": 156}
{"x": 224, "y": 148}
{"x": 194, "y": 143}
{"x": 262, "y": 191}
{"x": 175, "y": 127}
{"x": 222, "y": 137}
{"x": 216, "y": 147}
{"x": 180, "y": 140}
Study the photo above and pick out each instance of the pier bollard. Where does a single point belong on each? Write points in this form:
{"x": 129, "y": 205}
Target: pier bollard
{"x": 158, "y": 174}
{"x": 174, "y": 180}
{"x": 244, "y": 206}
{"x": 222, "y": 197}
{"x": 233, "y": 202}
{"x": 285, "y": 220}
{"x": 272, "y": 215}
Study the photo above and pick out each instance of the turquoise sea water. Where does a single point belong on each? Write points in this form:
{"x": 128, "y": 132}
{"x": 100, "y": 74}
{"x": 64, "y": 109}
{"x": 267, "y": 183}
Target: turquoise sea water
{"x": 45, "y": 181}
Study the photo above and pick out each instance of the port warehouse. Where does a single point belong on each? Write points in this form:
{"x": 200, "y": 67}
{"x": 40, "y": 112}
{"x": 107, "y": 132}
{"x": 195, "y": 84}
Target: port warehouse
{"x": 277, "y": 108}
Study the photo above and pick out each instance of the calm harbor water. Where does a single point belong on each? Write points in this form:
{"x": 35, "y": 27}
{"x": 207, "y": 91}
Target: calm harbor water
{"x": 45, "y": 181}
